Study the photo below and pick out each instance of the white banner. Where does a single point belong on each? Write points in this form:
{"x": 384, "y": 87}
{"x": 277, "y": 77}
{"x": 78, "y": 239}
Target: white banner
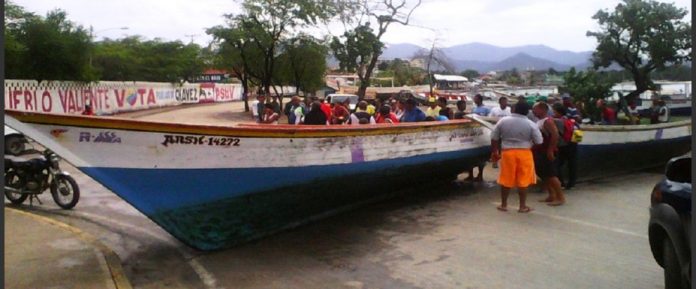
{"x": 109, "y": 97}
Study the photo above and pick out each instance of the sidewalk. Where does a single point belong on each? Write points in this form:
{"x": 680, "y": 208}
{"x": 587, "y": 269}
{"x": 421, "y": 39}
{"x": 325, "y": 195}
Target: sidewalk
{"x": 44, "y": 253}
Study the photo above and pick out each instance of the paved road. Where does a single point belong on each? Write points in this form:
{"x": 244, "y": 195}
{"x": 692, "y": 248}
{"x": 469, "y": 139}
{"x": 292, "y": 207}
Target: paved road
{"x": 448, "y": 237}
{"x": 439, "y": 237}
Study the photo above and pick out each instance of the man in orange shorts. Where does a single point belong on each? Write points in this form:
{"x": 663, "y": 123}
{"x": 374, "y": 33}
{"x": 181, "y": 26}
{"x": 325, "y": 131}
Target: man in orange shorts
{"x": 515, "y": 134}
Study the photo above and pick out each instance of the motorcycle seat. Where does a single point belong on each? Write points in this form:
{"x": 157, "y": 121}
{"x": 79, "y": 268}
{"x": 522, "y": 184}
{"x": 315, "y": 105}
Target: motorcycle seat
{"x": 25, "y": 162}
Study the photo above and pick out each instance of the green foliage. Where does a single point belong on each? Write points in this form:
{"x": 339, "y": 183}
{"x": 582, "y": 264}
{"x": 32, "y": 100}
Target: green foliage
{"x": 512, "y": 77}
{"x": 265, "y": 25}
{"x": 641, "y": 36}
{"x": 674, "y": 72}
{"x": 302, "y": 63}
{"x": 53, "y": 48}
{"x": 384, "y": 65}
{"x": 356, "y": 49}
{"x": 586, "y": 87}
{"x": 470, "y": 74}
{"x": 402, "y": 72}
{"x": 352, "y": 55}
{"x": 132, "y": 59}
{"x": 46, "y": 48}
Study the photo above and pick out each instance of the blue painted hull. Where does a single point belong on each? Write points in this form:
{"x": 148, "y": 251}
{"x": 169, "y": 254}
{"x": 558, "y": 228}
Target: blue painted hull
{"x": 682, "y": 111}
{"x": 215, "y": 208}
{"x": 602, "y": 160}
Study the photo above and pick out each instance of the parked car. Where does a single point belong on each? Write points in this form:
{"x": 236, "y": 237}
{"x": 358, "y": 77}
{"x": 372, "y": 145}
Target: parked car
{"x": 670, "y": 223}
{"x": 337, "y": 97}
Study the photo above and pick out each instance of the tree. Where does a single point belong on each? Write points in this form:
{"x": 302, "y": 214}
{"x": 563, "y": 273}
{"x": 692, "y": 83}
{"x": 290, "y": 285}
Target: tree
{"x": 236, "y": 53}
{"x": 384, "y": 13}
{"x": 434, "y": 57}
{"x": 470, "y": 74}
{"x": 265, "y": 23}
{"x": 512, "y": 77}
{"x": 587, "y": 87}
{"x": 15, "y": 51}
{"x": 642, "y": 36}
{"x": 355, "y": 53}
{"x": 384, "y": 65}
{"x": 46, "y": 48}
{"x": 303, "y": 63}
{"x": 132, "y": 59}
{"x": 402, "y": 73}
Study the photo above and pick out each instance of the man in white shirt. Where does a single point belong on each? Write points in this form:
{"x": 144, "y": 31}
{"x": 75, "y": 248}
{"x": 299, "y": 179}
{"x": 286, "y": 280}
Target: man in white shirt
{"x": 663, "y": 111}
{"x": 255, "y": 113}
{"x": 502, "y": 110}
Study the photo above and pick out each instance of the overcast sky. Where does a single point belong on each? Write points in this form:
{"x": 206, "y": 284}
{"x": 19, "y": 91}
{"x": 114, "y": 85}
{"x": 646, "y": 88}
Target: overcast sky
{"x": 558, "y": 24}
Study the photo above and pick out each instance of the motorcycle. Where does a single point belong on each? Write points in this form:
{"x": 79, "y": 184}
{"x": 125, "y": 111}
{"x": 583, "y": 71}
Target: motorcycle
{"x": 29, "y": 172}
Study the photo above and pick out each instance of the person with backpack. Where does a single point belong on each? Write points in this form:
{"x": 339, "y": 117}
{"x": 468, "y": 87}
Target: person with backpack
{"x": 361, "y": 116}
{"x": 291, "y": 109}
{"x": 567, "y": 148}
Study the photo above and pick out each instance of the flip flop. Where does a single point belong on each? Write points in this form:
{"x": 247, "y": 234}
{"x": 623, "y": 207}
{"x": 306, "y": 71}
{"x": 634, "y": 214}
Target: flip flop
{"x": 554, "y": 204}
{"x": 502, "y": 209}
{"x": 525, "y": 210}
{"x": 547, "y": 200}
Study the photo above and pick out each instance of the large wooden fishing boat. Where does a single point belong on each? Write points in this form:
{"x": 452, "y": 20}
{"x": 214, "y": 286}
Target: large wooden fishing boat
{"x": 217, "y": 186}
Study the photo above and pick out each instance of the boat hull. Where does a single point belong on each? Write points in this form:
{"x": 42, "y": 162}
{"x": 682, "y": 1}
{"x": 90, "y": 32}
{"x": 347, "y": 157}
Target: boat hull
{"x": 215, "y": 187}
{"x": 229, "y": 221}
{"x": 609, "y": 150}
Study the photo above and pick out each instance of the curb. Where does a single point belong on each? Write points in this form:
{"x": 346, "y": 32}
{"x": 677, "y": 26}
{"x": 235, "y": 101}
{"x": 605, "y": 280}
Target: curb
{"x": 113, "y": 262}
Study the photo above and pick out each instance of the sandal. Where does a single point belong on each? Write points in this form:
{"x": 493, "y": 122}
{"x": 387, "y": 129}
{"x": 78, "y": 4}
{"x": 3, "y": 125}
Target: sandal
{"x": 525, "y": 210}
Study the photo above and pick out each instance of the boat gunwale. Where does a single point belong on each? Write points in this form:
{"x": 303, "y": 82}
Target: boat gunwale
{"x": 240, "y": 130}
{"x": 619, "y": 128}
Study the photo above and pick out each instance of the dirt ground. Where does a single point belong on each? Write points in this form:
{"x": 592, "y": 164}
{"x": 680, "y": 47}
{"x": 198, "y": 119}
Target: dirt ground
{"x": 227, "y": 113}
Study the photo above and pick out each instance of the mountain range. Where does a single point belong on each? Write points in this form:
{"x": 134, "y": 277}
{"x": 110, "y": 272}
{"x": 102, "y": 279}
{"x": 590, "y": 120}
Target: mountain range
{"x": 485, "y": 57}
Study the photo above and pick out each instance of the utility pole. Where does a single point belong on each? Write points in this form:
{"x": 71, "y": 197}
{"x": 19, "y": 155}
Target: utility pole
{"x": 192, "y": 36}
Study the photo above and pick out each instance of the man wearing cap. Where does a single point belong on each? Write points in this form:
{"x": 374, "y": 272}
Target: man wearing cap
{"x": 515, "y": 134}
{"x": 411, "y": 112}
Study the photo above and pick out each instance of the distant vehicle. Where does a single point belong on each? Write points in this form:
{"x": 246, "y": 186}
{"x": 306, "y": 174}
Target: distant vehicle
{"x": 670, "y": 223}
{"x": 338, "y": 97}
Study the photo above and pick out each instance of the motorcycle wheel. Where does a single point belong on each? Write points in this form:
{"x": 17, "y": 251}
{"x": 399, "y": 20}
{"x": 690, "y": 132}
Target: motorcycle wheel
{"x": 65, "y": 191}
{"x": 11, "y": 180}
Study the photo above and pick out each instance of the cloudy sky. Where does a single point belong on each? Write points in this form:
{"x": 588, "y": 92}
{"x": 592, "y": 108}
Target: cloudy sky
{"x": 558, "y": 24}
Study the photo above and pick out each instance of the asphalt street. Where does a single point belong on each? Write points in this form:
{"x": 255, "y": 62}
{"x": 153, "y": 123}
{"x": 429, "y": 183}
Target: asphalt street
{"x": 439, "y": 237}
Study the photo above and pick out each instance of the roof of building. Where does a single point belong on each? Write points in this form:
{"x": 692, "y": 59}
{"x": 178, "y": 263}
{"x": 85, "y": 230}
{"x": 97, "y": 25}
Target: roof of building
{"x": 441, "y": 77}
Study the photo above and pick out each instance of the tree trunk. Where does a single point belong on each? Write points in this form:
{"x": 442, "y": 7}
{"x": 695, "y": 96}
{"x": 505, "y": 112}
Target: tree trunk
{"x": 365, "y": 81}
{"x": 245, "y": 92}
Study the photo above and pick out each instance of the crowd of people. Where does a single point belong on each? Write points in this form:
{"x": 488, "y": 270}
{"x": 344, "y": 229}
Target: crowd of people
{"x": 395, "y": 110}
{"x": 322, "y": 111}
{"x": 533, "y": 138}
